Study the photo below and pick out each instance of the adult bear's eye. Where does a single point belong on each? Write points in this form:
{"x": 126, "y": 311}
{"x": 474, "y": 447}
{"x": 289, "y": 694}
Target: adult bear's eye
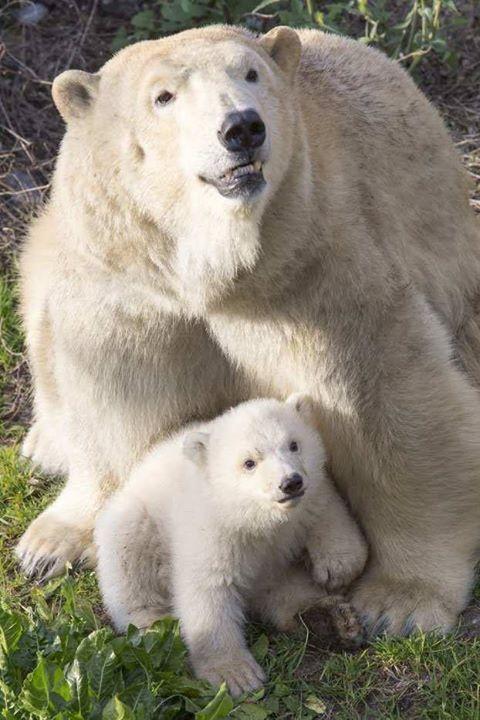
{"x": 251, "y": 76}
{"x": 294, "y": 446}
{"x": 249, "y": 464}
{"x": 164, "y": 98}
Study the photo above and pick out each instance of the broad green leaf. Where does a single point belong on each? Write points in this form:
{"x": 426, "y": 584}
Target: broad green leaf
{"x": 45, "y": 690}
{"x": 102, "y": 677}
{"x": 312, "y": 702}
{"x": 293, "y": 703}
{"x": 11, "y": 630}
{"x": 272, "y": 704}
{"x": 116, "y": 710}
{"x": 250, "y": 711}
{"x": 93, "y": 644}
{"x": 217, "y": 708}
{"x": 260, "y": 648}
{"x": 144, "y": 20}
{"x": 280, "y": 689}
{"x": 78, "y": 682}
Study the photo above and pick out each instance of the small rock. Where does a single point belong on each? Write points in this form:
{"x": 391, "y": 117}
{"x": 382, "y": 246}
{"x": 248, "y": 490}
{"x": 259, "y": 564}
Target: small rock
{"x": 31, "y": 14}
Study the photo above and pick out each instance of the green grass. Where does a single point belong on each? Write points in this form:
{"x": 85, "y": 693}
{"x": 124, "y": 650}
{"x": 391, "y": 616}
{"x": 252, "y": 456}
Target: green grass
{"x": 59, "y": 658}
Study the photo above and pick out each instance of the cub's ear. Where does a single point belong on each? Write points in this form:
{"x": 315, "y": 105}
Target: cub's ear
{"x": 74, "y": 93}
{"x": 304, "y": 405}
{"x": 195, "y": 447}
{"x": 284, "y": 46}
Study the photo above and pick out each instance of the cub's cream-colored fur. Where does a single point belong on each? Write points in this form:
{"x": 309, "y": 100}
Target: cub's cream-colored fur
{"x": 353, "y": 274}
{"x": 199, "y": 533}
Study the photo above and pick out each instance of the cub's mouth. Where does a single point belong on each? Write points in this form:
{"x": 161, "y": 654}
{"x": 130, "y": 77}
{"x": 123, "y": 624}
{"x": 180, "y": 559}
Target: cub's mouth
{"x": 292, "y": 496}
{"x": 242, "y": 180}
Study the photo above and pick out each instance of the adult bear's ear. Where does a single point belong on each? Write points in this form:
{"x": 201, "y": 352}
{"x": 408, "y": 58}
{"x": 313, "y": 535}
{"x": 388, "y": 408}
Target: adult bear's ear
{"x": 304, "y": 405}
{"x": 284, "y": 46}
{"x": 74, "y": 93}
{"x": 195, "y": 447}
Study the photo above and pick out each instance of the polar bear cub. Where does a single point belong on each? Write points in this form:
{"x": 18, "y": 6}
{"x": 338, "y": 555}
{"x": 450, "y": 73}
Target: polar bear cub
{"x": 218, "y": 521}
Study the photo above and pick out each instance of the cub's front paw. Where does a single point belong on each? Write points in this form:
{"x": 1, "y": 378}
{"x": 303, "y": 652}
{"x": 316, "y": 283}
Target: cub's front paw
{"x": 337, "y": 568}
{"x": 144, "y": 617}
{"x": 239, "y": 670}
{"x": 401, "y": 608}
{"x": 49, "y": 544}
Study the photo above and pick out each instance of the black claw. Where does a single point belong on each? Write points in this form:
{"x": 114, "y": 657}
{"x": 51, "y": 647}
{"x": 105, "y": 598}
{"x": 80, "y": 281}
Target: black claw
{"x": 78, "y": 564}
{"x": 380, "y": 626}
{"x": 43, "y": 568}
{"x": 408, "y": 626}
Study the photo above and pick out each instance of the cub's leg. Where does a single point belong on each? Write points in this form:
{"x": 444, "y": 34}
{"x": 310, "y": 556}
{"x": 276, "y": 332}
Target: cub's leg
{"x": 133, "y": 564}
{"x": 212, "y": 620}
{"x": 293, "y": 592}
{"x": 336, "y": 546}
{"x": 281, "y": 596}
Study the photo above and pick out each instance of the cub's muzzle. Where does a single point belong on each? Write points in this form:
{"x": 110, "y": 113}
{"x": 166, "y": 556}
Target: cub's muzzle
{"x": 292, "y": 487}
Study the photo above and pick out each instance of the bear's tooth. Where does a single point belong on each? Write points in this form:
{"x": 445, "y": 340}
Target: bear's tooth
{"x": 257, "y": 165}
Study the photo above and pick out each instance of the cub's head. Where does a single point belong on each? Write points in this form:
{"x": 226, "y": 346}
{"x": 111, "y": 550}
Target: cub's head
{"x": 208, "y": 109}
{"x": 263, "y": 459}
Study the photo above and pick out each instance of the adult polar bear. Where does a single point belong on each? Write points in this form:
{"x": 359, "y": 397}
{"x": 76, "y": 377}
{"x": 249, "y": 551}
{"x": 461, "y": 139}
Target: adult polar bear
{"x": 341, "y": 259}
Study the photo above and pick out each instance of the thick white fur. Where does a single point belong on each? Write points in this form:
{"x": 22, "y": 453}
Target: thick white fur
{"x": 353, "y": 276}
{"x": 195, "y": 533}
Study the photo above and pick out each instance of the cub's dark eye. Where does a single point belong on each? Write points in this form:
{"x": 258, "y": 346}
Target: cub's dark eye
{"x": 164, "y": 98}
{"x": 293, "y": 446}
{"x": 249, "y": 464}
{"x": 251, "y": 76}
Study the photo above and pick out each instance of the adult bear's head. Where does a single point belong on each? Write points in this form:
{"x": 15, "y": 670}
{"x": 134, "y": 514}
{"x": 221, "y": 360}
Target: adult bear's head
{"x": 196, "y": 131}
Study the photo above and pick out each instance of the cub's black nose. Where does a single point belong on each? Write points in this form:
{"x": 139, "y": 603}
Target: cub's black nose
{"x": 242, "y": 131}
{"x": 291, "y": 484}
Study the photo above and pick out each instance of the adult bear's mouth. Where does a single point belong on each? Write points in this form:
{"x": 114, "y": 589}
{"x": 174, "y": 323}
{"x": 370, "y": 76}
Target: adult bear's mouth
{"x": 242, "y": 180}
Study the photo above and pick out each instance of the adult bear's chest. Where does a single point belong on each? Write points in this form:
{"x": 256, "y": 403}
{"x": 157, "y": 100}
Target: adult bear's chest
{"x": 281, "y": 356}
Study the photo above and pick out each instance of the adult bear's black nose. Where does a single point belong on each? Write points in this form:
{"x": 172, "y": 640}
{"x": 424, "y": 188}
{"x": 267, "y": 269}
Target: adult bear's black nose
{"x": 242, "y": 131}
{"x": 291, "y": 484}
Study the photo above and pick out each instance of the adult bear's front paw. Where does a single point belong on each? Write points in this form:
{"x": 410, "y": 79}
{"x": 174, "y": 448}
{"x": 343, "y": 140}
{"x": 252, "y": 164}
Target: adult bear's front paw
{"x": 400, "y": 608}
{"x": 50, "y": 543}
{"x": 239, "y": 670}
{"x": 42, "y": 451}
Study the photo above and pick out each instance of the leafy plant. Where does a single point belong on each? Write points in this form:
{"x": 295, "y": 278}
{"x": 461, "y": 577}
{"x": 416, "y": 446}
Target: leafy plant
{"x": 407, "y": 31}
{"x": 61, "y": 664}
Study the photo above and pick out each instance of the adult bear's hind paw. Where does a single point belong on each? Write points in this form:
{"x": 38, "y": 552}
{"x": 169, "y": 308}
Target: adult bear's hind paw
{"x": 395, "y": 608}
